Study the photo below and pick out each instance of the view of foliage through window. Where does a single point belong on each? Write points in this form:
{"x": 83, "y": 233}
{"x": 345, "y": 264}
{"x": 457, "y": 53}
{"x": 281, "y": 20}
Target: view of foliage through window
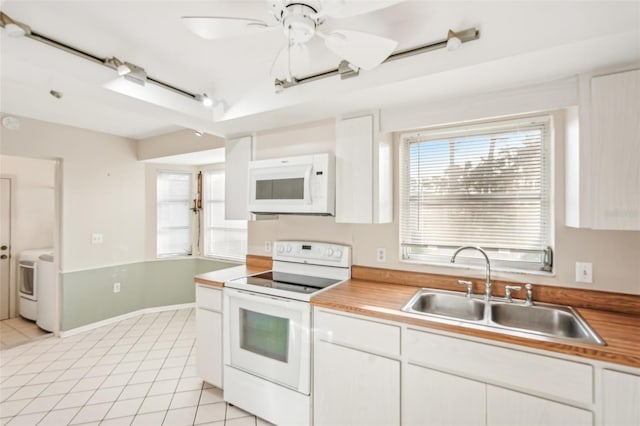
{"x": 485, "y": 188}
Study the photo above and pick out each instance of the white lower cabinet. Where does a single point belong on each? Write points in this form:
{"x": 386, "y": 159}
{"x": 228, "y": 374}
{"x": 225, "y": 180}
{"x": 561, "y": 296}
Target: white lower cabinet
{"x": 355, "y": 385}
{"x": 621, "y": 399}
{"x": 509, "y": 408}
{"x": 209, "y": 334}
{"x": 377, "y": 372}
{"x": 431, "y": 397}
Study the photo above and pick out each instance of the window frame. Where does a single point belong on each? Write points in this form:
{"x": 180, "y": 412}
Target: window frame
{"x": 206, "y": 215}
{"x": 189, "y": 200}
{"x": 440, "y": 256}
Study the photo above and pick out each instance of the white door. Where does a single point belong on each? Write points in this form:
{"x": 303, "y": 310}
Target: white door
{"x": 5, "y": 239}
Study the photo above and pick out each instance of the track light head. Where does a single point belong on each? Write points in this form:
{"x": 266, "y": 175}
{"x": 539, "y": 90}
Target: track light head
{"x": 121, "y": 67}
{"x": 13, "y": 28}
{"x": 206, "y": 100}
{"x": 453, "y": 41}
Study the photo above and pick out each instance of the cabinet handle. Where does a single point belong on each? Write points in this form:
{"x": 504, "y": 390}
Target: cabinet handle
{"x": 4, "y": 248}
{"x": 4, "y": 256}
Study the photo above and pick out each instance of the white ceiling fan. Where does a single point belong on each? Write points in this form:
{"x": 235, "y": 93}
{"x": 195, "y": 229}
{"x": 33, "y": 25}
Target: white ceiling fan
{"x": 301, "y": 21}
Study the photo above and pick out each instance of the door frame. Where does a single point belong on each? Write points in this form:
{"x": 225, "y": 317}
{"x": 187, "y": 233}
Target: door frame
{"x": 13, "y": 290}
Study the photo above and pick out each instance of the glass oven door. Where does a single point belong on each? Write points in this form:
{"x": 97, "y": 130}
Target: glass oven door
{"x": 268, "y": 337}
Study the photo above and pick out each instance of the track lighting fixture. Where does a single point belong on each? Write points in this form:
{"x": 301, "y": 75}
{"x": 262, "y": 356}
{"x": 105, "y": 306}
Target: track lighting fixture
{"x": 453, "y": 41}
{"x": 13, "y": 28}
{"x": 128, "y": 70}
{"x": 346, "y": 69}
{"x": 205, "y": 99}
{"x": 198, "y": 133}
{"x": 121, "y": 67}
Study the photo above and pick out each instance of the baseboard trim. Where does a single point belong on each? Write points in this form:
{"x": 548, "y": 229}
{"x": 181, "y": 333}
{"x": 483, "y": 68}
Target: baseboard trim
{"x": 128, "y": 315}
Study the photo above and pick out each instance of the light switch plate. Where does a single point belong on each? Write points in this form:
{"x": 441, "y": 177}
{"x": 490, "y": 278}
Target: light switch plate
{"x": 584, "y": 272}
{"x": 96, "y": 239}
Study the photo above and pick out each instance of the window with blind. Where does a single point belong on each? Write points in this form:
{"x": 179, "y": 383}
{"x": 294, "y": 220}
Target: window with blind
{"x": 173, "y": 191}
{"x": 225, "y": 239}
{"x": 484, "y": 185}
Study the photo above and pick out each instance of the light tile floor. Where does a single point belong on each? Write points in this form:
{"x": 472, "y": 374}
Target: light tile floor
{"x": 139, "y": 371}
{"x": 16, "y": 331}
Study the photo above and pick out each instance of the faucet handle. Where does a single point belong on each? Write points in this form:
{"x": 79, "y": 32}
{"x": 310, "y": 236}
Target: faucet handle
{"x": 529, "y": 289}
{"x": 469, "y": 285}
{"x": 507, "y": 291}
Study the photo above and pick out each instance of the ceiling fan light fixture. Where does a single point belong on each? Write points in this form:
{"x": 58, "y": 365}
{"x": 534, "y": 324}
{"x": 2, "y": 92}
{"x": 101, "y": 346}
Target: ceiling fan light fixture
{"x": 453, "y": 41}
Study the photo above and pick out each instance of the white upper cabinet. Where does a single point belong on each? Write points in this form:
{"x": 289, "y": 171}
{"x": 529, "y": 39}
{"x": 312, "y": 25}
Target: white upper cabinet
{"x": 603, "y": 158}
{"x": 238, "y": 153}
{"x": 364, "y": 164}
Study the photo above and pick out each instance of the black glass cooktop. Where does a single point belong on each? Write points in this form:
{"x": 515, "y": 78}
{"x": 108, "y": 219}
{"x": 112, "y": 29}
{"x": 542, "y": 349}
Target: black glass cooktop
{"x": 290, "y": 282}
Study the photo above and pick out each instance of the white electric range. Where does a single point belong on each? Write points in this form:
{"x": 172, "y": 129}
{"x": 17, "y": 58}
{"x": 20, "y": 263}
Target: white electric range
{"x": 267, "y": 330}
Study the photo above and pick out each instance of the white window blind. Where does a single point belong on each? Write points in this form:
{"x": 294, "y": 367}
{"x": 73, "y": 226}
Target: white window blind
{"x": 174, "y": 213}
{"x": 223, "y": 238}
{"x": 484, "y": 185}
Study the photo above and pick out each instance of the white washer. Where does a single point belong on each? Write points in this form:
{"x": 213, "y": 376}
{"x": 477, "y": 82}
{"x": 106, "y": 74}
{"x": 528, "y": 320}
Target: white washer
{"x": 28, "y": 282}
{"x": 46, "y": 285}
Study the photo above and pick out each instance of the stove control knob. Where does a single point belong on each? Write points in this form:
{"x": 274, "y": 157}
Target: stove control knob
{"x": 288, "y": 248}
{"x": 280, "y": 249}
{"x": 338, "y": 253}
{"x": 329, "y": 252}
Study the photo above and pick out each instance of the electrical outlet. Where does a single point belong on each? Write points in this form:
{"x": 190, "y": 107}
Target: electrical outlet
{"x": 584, "y": 272}
{"x": 96, "y": 238}
{"x": 116, "y": 287}
{"x": 267, "y": 246}
{"x": 381, "y": 254}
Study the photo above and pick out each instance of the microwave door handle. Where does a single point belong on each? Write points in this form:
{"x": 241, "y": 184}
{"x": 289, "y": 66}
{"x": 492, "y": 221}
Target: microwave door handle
{"x": 307, "y": 179}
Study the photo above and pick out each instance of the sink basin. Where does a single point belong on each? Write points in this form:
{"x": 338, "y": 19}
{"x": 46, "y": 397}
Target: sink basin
{"x": 541, "y": 319}
{"x": 444, "y": 304}
{"x": 550, "y": 320}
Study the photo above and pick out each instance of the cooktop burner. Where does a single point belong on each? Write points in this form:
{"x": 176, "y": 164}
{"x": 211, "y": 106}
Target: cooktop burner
{"x": 289, "y": 282}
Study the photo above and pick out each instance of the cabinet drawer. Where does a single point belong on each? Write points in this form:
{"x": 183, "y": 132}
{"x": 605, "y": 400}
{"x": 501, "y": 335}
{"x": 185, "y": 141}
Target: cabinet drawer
{"x": 525, "y": 371}
{"x": 370, "y": 336}
{"x": 209, "y": 298}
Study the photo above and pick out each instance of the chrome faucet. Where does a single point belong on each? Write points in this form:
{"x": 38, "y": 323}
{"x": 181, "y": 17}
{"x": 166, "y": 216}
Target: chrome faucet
{"x": 487, "y": 270}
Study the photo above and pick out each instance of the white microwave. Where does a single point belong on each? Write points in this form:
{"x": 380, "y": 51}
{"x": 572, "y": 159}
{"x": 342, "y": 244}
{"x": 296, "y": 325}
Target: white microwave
{"x": 293, "y": 185}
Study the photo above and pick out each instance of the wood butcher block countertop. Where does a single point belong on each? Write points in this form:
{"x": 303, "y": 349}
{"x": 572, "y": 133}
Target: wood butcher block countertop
{"x": 621, "y": 331}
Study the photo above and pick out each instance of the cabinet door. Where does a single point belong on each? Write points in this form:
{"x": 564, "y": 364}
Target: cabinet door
{"x": 354, "y": 388}
{"x": 209, "y": 346}
{"x": 237, "y": 153}
{"x": 434, "y": 398}
{"x": 509, "y": 408}
{"x": 615, "y": 151}
{"x": 621, "y": 393}
{"x": 354, "y": 170}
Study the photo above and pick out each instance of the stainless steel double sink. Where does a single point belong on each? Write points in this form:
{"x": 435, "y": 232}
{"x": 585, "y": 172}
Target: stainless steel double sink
{"x": 516, "y": 318}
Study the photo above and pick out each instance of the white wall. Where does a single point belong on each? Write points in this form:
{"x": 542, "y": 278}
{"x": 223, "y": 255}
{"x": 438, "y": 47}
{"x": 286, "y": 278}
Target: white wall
{"x": 102, "y": 190}
{"x": 32, "y": 202}
{"x": 614, "y": 254}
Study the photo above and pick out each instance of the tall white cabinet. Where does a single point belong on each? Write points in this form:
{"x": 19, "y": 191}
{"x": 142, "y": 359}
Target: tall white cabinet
{"x": 238, "y": 152}
{"x": 603, "y": 155}
{"x": 364, "y": 173}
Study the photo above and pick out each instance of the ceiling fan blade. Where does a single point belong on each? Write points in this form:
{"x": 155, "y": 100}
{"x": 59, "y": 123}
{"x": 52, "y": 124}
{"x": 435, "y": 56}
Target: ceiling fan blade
{"x": 363, "y": 50}
{"x": 346, "y": 8}
{"x": 213, "y": 27}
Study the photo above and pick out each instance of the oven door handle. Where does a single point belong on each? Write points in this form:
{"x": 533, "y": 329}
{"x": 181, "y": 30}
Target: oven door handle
{"x": 250, "y": 295}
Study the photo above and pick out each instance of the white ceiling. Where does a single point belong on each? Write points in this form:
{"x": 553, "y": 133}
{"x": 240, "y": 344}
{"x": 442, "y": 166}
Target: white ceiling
{"x": 522, "y": 42}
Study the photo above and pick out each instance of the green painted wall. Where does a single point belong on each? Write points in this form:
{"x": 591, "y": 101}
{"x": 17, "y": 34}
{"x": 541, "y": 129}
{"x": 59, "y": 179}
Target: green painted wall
{"x": 87, "y": 296}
